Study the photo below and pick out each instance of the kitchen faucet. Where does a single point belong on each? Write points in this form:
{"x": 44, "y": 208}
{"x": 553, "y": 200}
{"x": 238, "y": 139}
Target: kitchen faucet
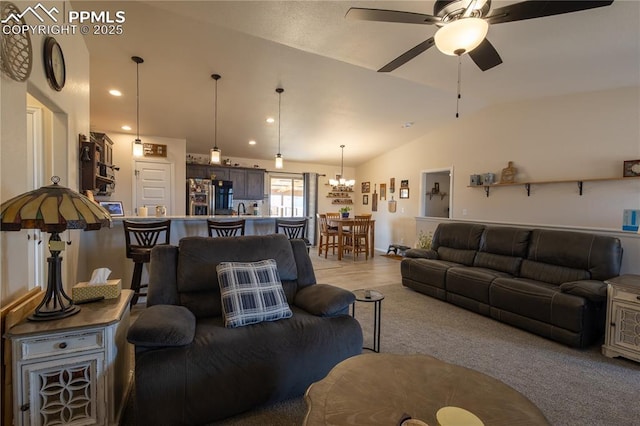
{"x": 243, "y": 210}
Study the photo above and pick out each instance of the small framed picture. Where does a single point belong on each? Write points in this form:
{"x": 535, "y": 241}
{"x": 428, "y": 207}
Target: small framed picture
{"x": 392, "y": 185}
{"x": 404, "y": 192}
{"x": 113, "y": 207}
{"x": 631, "y": 168}
{"x": 404, "y": 183}
{"x": 366, "y": 187}
{"x": 365, "y": 199}
{"x": 383, "y": 191}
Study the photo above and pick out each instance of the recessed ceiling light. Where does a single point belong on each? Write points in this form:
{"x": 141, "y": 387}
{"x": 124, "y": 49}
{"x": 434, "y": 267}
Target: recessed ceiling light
{"x": 115, "y": 92}
{"x": 271, "y": 120}
{"x": 252, "y": 142}
{"x": 407, "y": 124}
{"x": 126, "y": 127}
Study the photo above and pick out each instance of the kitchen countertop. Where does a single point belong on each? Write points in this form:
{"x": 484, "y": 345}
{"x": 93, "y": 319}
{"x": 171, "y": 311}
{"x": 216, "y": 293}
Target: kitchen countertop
{"x": 199, "y": 218}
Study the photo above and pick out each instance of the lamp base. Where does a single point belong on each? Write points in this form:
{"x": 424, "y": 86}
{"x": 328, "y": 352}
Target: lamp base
{"x": 48, "y": 316}
{"x": 55, "y": 304}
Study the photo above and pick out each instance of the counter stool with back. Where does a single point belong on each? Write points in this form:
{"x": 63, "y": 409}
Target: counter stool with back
{"x": 140, "y": 238}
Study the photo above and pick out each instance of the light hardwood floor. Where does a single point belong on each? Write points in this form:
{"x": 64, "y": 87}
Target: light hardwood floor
{"x": 352, "y": 275}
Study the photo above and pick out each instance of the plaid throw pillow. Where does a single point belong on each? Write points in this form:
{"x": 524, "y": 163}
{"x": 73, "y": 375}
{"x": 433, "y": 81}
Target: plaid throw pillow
{"x": 251, "y": 293}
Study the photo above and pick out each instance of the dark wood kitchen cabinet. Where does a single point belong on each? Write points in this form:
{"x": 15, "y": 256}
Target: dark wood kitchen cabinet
{"x": 255, "y": 184}
{"x": 248, "y": 184}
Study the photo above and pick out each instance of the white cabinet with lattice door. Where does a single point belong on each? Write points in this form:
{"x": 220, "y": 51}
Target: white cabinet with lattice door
{"x": 75, "y": 370}
{"x": 623, "y": 318}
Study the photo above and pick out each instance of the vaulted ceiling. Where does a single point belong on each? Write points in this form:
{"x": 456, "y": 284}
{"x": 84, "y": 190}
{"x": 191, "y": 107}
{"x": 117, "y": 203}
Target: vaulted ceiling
{"x": 327, "y": 66}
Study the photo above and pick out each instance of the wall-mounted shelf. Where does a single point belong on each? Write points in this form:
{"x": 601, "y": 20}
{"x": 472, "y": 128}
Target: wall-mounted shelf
{"x": 441, "y": 194}
{"x": 527, "y": 185}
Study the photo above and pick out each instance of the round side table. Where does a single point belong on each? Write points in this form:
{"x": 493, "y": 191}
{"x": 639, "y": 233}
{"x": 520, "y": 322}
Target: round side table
{"x": 375, "y": 297}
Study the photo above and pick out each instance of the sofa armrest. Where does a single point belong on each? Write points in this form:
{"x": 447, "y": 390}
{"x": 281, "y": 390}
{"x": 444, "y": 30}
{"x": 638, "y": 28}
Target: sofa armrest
{"x": 162, "y": 326}
{"x": 593, "y": 290}
{"x": 324, "y": 300}
{"x": 421, "y": 253}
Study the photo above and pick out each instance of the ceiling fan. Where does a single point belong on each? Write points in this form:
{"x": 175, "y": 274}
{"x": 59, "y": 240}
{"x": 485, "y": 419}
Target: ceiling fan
{"x": 463, "y": 25}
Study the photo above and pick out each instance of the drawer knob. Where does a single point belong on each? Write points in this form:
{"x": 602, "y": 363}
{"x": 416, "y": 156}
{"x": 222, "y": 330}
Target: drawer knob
{"x": 613, "y": 324}
{"x": 62, "y": 345}
{"x": 638, "y": 297}
{"x": 24, "y": 407}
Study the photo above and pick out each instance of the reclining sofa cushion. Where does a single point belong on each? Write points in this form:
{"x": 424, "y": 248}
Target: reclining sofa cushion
{"x": 596, "y": 291}
{"x": 163, "y": 325}
{"x": 540, "y": 301}
{"x": 457, "y": 242}
{"x": 428, "y": 274}
{"x": 472, "y": 282}
{"x": 324, "y": 300}
{"x": 502, "y": 249}
{"x": 197, "y": 279}
{"x": 251, "y": 292}
{"x": 600, "y": 256}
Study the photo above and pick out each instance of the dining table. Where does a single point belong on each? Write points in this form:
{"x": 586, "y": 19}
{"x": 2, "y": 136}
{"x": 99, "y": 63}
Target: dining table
{"x": 343, "y": 223}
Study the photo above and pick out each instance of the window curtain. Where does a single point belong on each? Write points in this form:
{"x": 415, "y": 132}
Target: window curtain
{"x": 311, "y": 204}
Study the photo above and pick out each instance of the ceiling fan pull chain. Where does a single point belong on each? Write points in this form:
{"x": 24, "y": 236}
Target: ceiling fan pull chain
{"x": 459, "y": 85}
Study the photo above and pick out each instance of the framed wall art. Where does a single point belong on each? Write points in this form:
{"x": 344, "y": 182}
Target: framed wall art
{"x": 631, "y": 168}
{"x": 404, "y": 192}
{"x": 365, "y": 199}
{"x": 366, "y": 187}
{"x": 392, "y": 185}
{"x": 113, "y": 207}
{"x": 383, "y": 191}
{"x": 404, "y": 183}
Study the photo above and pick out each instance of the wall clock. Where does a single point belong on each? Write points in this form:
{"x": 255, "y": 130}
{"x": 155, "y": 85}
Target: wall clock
{"x": 54, "y": 65}
{"x": 16, "y": 50}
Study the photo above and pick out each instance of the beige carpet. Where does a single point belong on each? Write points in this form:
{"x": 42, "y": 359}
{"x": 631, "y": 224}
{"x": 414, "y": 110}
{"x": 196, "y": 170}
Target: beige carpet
{"x": 570, "y": 386}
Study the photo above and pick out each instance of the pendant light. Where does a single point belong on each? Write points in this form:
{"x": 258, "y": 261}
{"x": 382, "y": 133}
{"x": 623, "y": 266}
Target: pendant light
{"x": 279, "y": 160}
{"x": 342, "y": 183}
{"x": 138, "y": 148}
{"x": 215, "y": 152}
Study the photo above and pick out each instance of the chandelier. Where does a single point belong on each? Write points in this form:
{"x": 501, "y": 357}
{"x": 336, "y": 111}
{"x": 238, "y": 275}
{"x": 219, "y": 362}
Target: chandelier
{"x": 342, "y": 183}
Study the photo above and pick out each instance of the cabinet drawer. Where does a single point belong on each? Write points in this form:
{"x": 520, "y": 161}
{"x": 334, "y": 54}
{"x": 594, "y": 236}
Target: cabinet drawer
{"x": 59, "y": 345}
{"x": 625, "y": 295}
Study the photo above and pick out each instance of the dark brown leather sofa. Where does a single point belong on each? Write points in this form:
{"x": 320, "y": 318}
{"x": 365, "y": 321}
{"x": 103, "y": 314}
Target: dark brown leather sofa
{"x": 549, "y": 282}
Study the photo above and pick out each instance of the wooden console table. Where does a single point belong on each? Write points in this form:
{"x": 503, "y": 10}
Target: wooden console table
{"x": 73, "y": 370}
{"x": 622, "y": 336}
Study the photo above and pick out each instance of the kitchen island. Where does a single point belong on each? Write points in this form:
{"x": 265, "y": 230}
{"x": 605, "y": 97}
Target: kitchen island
{"x": 106, "y": 248}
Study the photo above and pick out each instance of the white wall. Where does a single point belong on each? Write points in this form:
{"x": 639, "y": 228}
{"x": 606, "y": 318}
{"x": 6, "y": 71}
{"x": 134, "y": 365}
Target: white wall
{"x": 566, "y": 137}
{"x": 70, "y": 117}
{"x": 125, "y": 178}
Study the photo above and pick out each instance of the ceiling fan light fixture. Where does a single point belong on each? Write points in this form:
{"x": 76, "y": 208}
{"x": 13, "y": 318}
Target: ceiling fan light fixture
{"x": 461, "y": 36}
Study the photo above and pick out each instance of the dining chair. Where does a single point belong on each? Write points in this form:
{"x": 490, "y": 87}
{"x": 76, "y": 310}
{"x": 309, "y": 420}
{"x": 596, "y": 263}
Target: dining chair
{"x": 332, "y": 215}
{"x": 140, "y": 238}
{"x": 293, "y": 229}
{"x": 357, "y": 239}
{"x": 327, "y": 236}
{"x": 225, "y": 228}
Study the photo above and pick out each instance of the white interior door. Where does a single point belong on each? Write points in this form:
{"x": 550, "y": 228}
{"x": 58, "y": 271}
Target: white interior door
{"x": 35, "y": 179}
{"x": 154, "y": 181}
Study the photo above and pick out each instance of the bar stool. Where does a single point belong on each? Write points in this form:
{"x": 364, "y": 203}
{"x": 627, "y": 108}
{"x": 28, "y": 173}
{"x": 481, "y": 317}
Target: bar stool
{"x": 293, "y": 229}
{"x": 145, "y": 236}
{"x": 225, "y": 228}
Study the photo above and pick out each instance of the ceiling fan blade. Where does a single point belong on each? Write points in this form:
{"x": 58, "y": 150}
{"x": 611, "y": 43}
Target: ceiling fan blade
{"x": 381, "y": 15}
{"x": 538, "y": 9}
{"x": 485, "y": 56}
{"x": 407, "y": 56}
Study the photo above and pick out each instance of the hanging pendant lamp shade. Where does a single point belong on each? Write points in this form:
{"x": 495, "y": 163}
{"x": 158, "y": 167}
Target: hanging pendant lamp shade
{"x": 138, "y": 148}
{"x": 279, "y": 159}
{"x": 215, "y": 152}
{"x": 461, "y": 36}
